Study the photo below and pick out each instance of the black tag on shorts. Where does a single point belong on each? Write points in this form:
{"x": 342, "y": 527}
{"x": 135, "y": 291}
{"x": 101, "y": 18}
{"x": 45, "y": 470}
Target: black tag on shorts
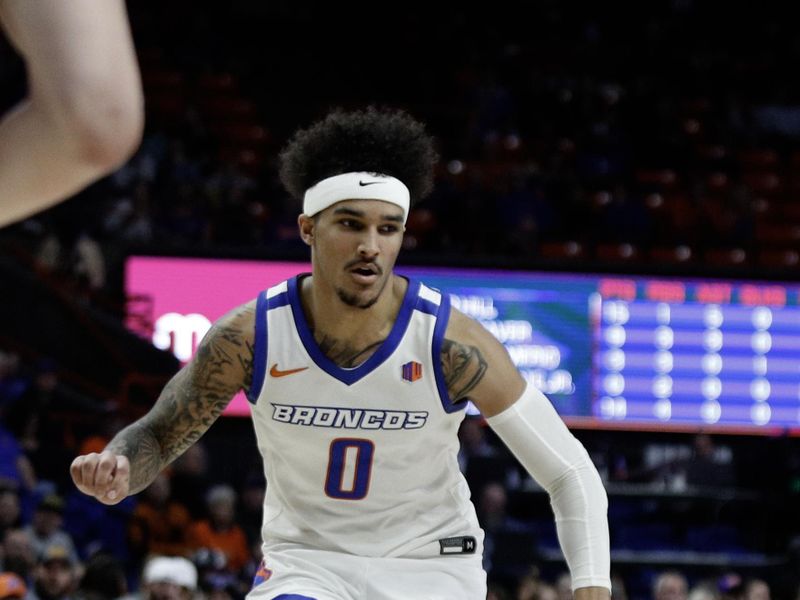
{"x": 458, "y": 545}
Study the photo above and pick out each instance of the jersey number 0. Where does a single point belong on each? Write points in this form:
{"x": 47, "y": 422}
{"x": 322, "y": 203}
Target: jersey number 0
{"x": 349, "y": 468}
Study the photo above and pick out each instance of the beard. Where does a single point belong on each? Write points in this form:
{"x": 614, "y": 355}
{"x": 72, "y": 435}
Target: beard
{"x": 354, "y": 301}
{"x": 357, "y": 302}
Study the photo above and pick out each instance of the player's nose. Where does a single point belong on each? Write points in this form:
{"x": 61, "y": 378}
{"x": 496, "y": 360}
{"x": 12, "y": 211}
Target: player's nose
{"x": 368, "y": 244}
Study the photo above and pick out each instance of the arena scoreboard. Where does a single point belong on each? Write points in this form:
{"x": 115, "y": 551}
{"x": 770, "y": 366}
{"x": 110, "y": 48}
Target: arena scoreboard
{"x": 609, "y": 351}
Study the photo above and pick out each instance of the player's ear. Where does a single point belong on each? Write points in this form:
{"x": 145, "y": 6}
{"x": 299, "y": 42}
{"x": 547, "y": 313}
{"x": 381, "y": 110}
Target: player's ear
{"x": 306, "y": 226}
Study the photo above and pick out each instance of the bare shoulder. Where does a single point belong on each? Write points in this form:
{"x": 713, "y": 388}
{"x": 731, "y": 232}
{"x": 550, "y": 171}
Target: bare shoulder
{"x": 477, "y": 366}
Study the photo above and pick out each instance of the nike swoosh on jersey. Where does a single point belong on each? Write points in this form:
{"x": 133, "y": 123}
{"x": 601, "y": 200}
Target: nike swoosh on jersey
{"x": 276, "y": 372}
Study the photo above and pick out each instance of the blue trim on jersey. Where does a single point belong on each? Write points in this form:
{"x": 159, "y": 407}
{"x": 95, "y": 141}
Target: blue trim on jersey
{"x": 426, "y": 306}
{"x": 293, "y": 597}
{"x": 278, "y": 300}
{"x": 389, "y": 345}
{"x": 259, "y": 349}
{"x": 436, "y": 350}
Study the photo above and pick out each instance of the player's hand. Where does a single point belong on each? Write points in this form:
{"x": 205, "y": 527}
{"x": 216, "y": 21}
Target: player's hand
{"x": 105, "y": 476}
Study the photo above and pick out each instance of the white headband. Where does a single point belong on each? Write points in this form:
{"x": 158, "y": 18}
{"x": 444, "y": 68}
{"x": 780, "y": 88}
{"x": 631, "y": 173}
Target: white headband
{"x": 356, "y": 186}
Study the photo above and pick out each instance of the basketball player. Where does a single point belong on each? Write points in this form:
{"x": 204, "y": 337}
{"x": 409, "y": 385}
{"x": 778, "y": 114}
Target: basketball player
{"x": 83, "y": 115}
{"x": 358, "y": 379}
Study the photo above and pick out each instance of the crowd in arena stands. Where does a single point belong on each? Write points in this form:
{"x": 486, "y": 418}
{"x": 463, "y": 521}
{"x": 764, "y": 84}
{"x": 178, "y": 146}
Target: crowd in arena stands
{"x": 192, "y": 535}
{"x": 557, "y": 158}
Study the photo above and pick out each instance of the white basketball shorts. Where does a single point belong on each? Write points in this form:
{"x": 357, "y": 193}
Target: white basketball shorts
{"x": 292, "y": 572}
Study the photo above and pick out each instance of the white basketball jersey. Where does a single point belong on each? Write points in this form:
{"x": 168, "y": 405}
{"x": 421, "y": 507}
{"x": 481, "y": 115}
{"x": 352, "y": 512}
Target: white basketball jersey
{"x": 360, "y": 460}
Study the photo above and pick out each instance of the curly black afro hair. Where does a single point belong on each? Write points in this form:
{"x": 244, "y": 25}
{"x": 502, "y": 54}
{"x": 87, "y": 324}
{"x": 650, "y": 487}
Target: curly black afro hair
{"x": 384, "y": 141}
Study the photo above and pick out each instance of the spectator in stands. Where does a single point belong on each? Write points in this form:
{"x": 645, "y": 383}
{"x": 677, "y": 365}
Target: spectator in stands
{"x": 160, "y": 524}
{"x": 168, "y": 578}
{"x": 710, "y": 464}
{"x": 10, "y": 509}
{"x": 492, "y": 510}
{"x": 619, "y": 591}
{"x": 731, "y": 586}
{"x": 191, "y": 481}
{"x": 472, "y": 435}
{"x": 563, "y": 586}
{"x": 252, "y": 508}
{"x": 17, "y": 554}
{"x": 756, "y": 589}
{"x": 704, "y": 590}
{"x": 671, "y": 585}
{"x": 220, "y": 530}
{"x": 12, "y": 587}
{"x": 495, "y": 591}
{"x": 103, "y": 579}
{"x": 215, "y": 580}
{"x": 56, "y": 573}
{"x": 533, "y": 587}
{"x": 96, "y": 527}
{"x": 38, "y": 425}
{"x": 46, "y": 530}
{"x": 12, "y": 382}
{"x": 15, "y": 468}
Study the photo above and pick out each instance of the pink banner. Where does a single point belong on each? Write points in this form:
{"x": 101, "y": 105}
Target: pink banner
{"x": 173, "y": 301}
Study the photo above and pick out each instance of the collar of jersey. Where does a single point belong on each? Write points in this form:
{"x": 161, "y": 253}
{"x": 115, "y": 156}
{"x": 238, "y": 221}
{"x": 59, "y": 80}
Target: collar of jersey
{"x": 351, "y": 376}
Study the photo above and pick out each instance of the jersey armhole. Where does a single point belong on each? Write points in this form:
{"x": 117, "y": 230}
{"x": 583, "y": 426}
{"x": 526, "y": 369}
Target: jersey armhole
{"x": 259, "y": 349}
{"x": 442, "y": 318}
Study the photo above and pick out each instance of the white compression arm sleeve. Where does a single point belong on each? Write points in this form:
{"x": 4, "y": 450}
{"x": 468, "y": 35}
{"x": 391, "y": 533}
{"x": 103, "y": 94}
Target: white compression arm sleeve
{"x": 541, "y": 442}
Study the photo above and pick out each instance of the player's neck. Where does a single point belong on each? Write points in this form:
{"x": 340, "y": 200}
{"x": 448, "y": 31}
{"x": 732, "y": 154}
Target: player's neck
{"x": 329, "y": 316}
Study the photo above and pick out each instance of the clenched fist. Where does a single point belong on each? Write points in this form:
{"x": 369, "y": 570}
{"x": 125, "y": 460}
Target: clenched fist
{"x": 106, "y": 476}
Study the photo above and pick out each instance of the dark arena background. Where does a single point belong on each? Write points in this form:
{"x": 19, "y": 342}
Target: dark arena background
{"x": 618, "y": 200}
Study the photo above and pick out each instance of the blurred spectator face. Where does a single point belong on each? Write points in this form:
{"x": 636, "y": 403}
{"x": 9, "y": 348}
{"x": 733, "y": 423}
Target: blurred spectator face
{"x": 221, "y": 502}
{"x": 54, "y": 579}
{"x": 165, "y": 590}
{"x": 704, "y": 445}
{"x": 546, "y": 592}
{"x": 9, "y": 507}
{"x": 18, "y": 553}
{"x": 472, "y": 434}
{"x": 756, "y": 590}
{"x": 671, "y": 586}
{"x": 169, "y": 578}
{"x": 493, "y": 499}
{"x": 222, "y": 512}
{"x": 46, "y": 521}
{"x": 618, "y": 589}
{"x": 160, "y": 490}
{"x": 528, "y": 585}
{"x": 253, "y": 497}
{"x": 193, "y": 461}
{"x": 564, "y": 587}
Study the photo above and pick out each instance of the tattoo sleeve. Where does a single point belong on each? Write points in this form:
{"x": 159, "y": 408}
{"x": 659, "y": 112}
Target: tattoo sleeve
{"x": 191, "y": 401}
{"x": 463, "y": 367}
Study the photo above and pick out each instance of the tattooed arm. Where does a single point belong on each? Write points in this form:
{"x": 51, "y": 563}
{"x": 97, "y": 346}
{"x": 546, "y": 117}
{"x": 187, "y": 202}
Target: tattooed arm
{"x": 185, "y": 409}
{"x": 477, "y": 366}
